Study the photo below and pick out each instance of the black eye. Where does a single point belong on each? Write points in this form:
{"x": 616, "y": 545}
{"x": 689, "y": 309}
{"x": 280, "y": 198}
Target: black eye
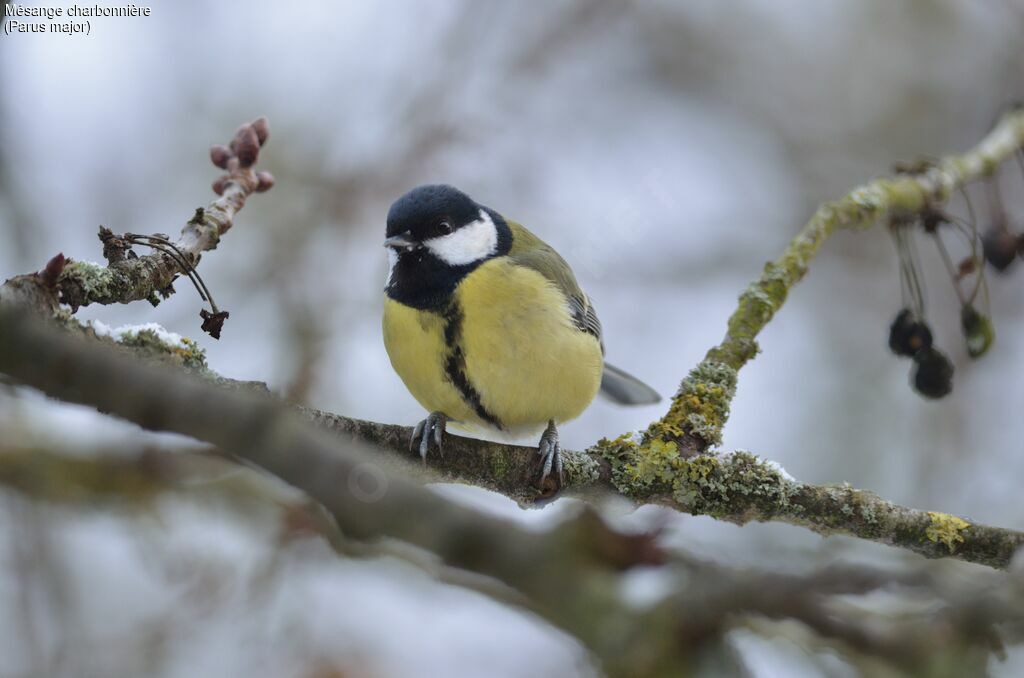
{"x": 444, "y": 228}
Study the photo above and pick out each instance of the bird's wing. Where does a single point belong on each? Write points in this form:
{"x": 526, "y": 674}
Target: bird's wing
{"x": 531, "y": 252}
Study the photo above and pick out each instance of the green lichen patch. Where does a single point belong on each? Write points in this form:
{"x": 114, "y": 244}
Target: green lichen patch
{"x": 736, "y": 485}
{"x": 81, "y": 282}
{"x": 733, "y": 486}
{"x": 762, "y": 299}
{"x": 946, "y": 529}
{"x": 620, "y": 454}
{"x": 865, "y": 205}
{"x": 701, "y": 407}
{"x": 580, "y": 469}
{"x": 840, "y": 508}
{"x": 187, "y": 351}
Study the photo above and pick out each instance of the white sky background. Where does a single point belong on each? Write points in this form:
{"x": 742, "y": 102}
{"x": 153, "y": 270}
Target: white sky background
{"x": 667, "y": 151}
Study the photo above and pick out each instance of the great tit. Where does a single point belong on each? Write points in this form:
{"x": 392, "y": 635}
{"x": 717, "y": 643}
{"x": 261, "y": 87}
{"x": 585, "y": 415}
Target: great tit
{"x": 487, "y": 326}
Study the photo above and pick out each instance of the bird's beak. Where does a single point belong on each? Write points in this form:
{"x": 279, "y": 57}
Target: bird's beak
{"x": 402, "y": 241}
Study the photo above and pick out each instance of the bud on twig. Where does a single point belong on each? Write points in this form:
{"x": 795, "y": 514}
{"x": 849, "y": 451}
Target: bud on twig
{"x": 220, "y": 183}
{"x": 266, "y": 180}
{"x": 262, "y": 128}
{"x": 220, "y": 154}
{"x": 246, "y": 145}
{"x": 51, "y": 272}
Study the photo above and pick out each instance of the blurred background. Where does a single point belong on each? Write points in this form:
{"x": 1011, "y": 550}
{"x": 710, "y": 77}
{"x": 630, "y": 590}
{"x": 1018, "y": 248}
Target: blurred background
{"x": 667, "y": 149}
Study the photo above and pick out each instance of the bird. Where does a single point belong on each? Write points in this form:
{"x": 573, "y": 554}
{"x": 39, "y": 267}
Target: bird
{"x": 488, "y": 328}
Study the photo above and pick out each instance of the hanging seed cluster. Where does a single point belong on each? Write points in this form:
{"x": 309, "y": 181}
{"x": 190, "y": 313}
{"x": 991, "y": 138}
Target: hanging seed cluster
{"x": 998, "y": 247}
{"x": 1002, "y": 244}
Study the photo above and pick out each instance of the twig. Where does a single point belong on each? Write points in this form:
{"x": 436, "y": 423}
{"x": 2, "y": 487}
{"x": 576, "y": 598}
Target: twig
{"x": 701, "y": 407}
{"x": 123, "y": 280}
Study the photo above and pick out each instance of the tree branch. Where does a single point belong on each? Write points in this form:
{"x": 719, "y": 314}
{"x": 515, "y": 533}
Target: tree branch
{"x": 569, "y": 575}
{"x": 130, "y": 278}
{"x": 736, "y": 487}
{"x": 668, "y": 463}
{"x": 566, "y": 572}
{"x": 700, "y": 408}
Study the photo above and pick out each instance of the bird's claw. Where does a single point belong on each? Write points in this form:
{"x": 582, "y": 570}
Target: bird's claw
{"x": 550, "y": 452}
{"x": 430, "y": 430}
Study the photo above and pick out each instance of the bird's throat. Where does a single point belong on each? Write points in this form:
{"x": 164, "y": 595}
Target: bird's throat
{"x": 422, "y": 281}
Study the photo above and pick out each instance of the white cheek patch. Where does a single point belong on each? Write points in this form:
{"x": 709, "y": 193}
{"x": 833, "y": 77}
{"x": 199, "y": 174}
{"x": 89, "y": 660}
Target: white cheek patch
{"x": 392, "y": 260}
{"x": 475, "y": 241}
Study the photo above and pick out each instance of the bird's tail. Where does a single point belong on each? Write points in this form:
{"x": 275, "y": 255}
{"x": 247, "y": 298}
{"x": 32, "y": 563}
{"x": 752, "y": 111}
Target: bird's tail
{"x": 625, "y": 389}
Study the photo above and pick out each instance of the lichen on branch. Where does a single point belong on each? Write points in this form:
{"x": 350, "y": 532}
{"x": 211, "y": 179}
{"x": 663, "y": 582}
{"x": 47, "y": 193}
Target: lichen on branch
{"x": 686, "y": 423}
{"x": 740, "y": 487}
{"x": 737, "y": 487}
{"x": 133, "y": 278}
{"x": 669, "y": 462}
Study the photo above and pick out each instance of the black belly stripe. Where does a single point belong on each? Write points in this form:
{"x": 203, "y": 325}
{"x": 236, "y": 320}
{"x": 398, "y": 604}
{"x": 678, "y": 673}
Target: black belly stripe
{"x": 455, "y": 365}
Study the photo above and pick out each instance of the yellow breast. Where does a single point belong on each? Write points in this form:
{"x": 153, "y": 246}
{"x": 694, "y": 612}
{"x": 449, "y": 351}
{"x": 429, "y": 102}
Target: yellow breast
{"x": 504, "y": 353}
{"x": 415, "y": 342}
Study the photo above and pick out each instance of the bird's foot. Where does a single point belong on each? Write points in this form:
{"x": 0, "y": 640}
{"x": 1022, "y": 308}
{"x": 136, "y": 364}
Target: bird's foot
{"x": 430, "y": 430}
{"x": 550, "y": 452}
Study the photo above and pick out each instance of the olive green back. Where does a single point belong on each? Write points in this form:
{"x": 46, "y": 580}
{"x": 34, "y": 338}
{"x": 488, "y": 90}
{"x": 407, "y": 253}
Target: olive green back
{"x": 531, "y": 252}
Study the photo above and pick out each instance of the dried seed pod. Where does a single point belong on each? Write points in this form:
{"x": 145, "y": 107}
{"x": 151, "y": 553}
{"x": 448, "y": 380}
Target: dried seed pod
{"x": 966, "y": 267}
{"x": 978, "y": 331}
{"x": 262, "y": 128}
{"x": 266, "y": 181}
{"x": 220, "y": 183}
{"x": 932, "y": 374}
{"x": 220, "y": 154}
{"x": 213, "y": 323}
{"x": 908, "y": 335}
{"x": 1000, "y": 248}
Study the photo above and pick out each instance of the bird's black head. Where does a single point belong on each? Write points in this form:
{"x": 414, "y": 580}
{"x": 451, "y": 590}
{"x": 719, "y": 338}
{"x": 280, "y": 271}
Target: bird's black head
{"x": 436, "y": 235}
{"x": 431, "y": 211}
